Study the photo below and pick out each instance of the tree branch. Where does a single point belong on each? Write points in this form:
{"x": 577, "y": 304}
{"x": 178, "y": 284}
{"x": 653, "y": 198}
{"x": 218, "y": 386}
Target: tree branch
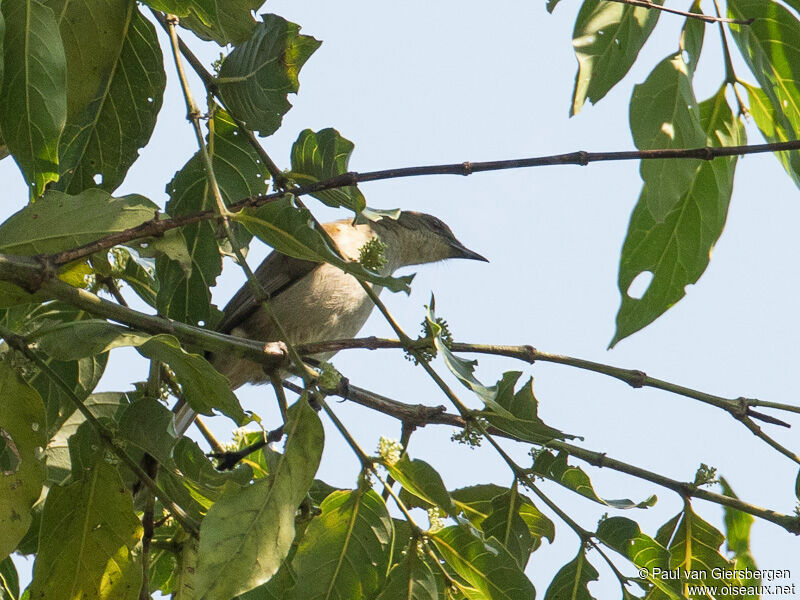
{"x": 159, "y": 227}
{"x": 427, "y": 415}
{"x": 682, "y": 13}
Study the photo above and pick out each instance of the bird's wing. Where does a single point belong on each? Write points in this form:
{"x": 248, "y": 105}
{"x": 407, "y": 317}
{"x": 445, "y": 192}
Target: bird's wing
{"x": 275, "y": 274}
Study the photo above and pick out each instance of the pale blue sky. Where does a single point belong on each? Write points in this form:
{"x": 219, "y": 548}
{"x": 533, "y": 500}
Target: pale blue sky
{"x": 434, "y": 82}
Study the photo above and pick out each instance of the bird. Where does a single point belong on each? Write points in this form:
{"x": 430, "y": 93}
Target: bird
{"x": 316, "y": 302}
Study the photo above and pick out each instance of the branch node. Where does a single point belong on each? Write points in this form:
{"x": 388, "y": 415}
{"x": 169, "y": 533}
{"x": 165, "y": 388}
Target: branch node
{"x": 583, "y": 158}
{"x": 466, "y": 168}
{"x": 529, "y": 353}
{"x": 637, "y": 379}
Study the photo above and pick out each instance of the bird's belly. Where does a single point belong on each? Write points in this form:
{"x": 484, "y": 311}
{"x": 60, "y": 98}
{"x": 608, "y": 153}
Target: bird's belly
{"x": 326, "y": 305}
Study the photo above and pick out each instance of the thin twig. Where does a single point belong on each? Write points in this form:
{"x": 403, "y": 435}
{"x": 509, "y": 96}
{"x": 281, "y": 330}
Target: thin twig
{"x": 682, "y": 13}
{"x": 156, "y": 227}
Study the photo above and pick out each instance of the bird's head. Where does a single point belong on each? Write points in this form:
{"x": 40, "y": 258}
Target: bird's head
{"x": 416, "y": 238}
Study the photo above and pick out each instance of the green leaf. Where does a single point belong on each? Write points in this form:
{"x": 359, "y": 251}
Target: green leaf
{"x": 486, "y": 566}
{"x": 228, "y": 22}
{"x": 676, "y": 249}
{"x": 345, "y": 551}
{"x": 257, "y": 76}
{"x": 411, "y": 579}
{"x": 322, "y": 155}
{"x": 248, "y": 532}
{"x": 517, "y": 413}
{"x": 461, "y": 368}
{"x": 775, "y": 128}
{"x": 694, "y": 549}
{"x": 290, "y": 231}
{"x": 507, "y": 526}
{"x": 422, "y": 480}
{"x": 116, "y": 85}
{"x": 147, "y": 424}
{"x": 140, "y": 278}
{"x": 624, "y": 536}
{"x": 240, "y": 174}
{"x": 94, "y": 518}
{"x": 204, "y": 388}
{"x": 33, "y": 99}
{"x": 555, "y": 468}
{"x": 22, "y": 440}
{"x": 572, "y": 580}
{"x": 607, "y": 39}
{"x": 737, "y": 536}
{"x": 769, "y": 47}
{"x": 9, "y": 579}
{"x": 58, "y": 221}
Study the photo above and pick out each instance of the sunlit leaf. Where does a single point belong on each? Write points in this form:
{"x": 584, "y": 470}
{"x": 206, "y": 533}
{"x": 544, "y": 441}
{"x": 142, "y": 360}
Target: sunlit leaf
{"x": 422, "y": 480}
{"x": 572, "y": 580}
{"x": 228, "y": 22}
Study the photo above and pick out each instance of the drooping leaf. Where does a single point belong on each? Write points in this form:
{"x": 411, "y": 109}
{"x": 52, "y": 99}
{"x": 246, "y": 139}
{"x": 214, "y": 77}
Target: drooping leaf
{"x": 248, "y": 532}
{"x": 9, "y": 580}
{"x": 412, "y": 578}
{"x": 289, "y": 230}
{"x": 769, "y": 47}
{"x": 257, "y": 76}
{"x": 227, "y": 22}
{"x": 33, "y": 97}
{"x": 572, "y": 580}
{"x": 345, "y": 551}
{"x": 94, "y": 518}
{"x": 116, "y": 85}
{"x": 516, "y": 413}
{"x": 676, "y": 248}
{"x": 22, "y": 438}
{"x": 556, "y": 468}
{"x": 607, "y": 39}
{"x": 422, "y": 480}
{"x": 322, "y": 155}
{"x": 204, "y": 388}
{"x": 484, "y": 565}
{"x": 240, "y": 174}
{"x": 737, "y": 538}
{"x": 624, "y": 536}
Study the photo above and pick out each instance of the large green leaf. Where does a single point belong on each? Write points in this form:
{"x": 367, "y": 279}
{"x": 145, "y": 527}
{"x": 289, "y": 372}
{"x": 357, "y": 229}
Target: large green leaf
{"x": 556, "y": 468}
{"x": 411, "y": 579}
{"x": 228, "y": 22}
{"x": 248, "y": 532}
{"x": 116, "y": 84}
{"x": 737, "y": 537}
{"x": 59, "y": 221}
{"x": 676, "y": 248}
{"x": 33, "y": 97}
{"x": 769, "y": 46}
{"x": 607, "y": 39}
{"x": 484, "y": 565}
{"x": 624, "y": 536}
{"x": 322, "y": 155}
{"x": 9, "y": 580}
{"x": 290, "y": 230}
{"x": 422, "y": 480}
{"x": 93, "y": 517}
{"x": 22, "y": 437}
{"x": 257, "y": 76}
{"x": 572, "y": 580}
{"x": 204, "y": 388}
{"x": 517, "y": 524}
{"x": 345, "y": 551}
{"x": 239, "y": 173}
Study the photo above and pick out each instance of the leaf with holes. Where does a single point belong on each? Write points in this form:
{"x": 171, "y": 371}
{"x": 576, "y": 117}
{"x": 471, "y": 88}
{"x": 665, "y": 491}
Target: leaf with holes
{"x": 573, "y": 579}
{"x": 22, "y": 439}
{"x": 116, "y": 81}
{"x": 33, "y": 97}
{"x": 607, "y": 39}
{"x": 257, "y": 76}
{"x": 676, "y": 249}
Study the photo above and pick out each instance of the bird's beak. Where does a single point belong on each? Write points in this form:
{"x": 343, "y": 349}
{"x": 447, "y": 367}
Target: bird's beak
{"x": 464, "y": 252}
